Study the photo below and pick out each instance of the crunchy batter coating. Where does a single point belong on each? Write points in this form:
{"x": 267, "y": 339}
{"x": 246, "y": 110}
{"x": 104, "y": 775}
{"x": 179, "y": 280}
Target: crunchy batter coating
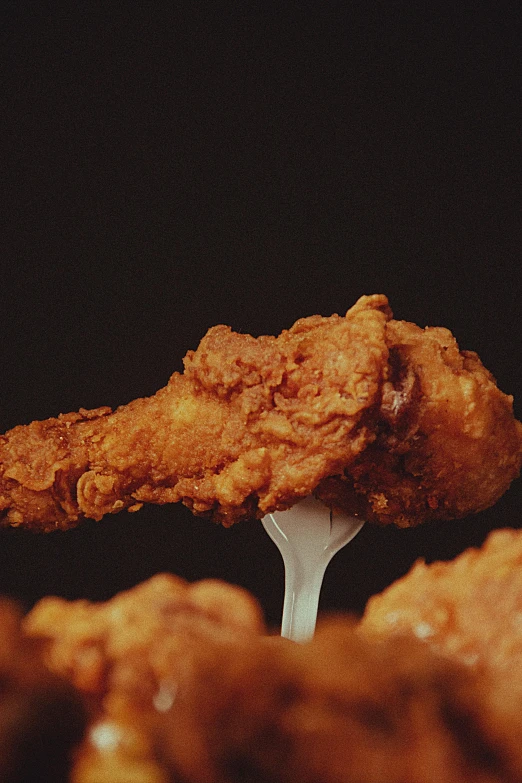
{"x": 182, "y": 684}
{"x": 379, "y": 417}
{"x": 337, "y": 710}
{"x": 469, "y": 609}
{"x": 251, "y": 426}
{"x": 126, "y": 657}
{"x": 447, "y": 443}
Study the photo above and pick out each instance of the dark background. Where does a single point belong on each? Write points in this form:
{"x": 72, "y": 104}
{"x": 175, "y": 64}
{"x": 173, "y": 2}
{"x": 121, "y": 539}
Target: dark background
{"x": 168, "y": 168}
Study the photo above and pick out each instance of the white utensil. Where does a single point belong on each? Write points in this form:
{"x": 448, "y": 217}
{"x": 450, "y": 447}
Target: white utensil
{"x": 308, "y": 535}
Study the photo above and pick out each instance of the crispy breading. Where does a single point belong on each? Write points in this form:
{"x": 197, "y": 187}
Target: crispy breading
{"x": 182, "y": 684}
{"x": 251, "y": 426}
{"x": 378, "y": 417}
{"x": 126, "y": 657}
{"x": 468, "y": 609}
{"x": 336, "y": 710}
{"x": 447, "y": 443}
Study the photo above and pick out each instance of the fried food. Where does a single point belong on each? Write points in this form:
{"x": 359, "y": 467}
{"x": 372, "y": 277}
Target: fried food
{"x": 41, "y": 717}
{"x": 378, "y": 417}
{"x": 447, "y": 444}
{"x": 337, "y": 710}
{"x": 126, "y": 657}
{"x": 181, "y": 682}
{"x": 469, "y": 609}
{"x": 251, "y": 426}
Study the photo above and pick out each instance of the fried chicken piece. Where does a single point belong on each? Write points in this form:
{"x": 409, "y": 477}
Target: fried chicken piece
{"x": 182, "y": 685}
{"x": 250, "y": 427}
{"x": 447, "y": 442}
{"x": 468, "y": 609}
{"x": 125, "y": 657}
{"x": 378, "y": 417}
{"x": 41, "y": 717}
{"x": 336, "y": 710}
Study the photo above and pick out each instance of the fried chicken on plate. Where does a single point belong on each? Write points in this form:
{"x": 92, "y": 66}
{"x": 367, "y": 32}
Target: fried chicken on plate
{"x": 468, "y": 611}
{"x": 376, "y": 416}
{"x": 182, "y": 684}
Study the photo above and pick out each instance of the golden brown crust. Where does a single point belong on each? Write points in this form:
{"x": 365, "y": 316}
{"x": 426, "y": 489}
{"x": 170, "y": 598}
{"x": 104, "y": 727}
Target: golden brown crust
{"x": 379, "y": 417}
{"x": 469, "y": 609}
{"x": 447, "y": 443}
{"x": 127, "y": 656}
{"x": 142, "y": 628}
{"x": 333, "y": 710}
{"x": 251, "y": 426}
{"x": 183, "y": 685}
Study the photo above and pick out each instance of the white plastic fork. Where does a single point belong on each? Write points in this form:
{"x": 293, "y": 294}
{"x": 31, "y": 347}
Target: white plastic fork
{"x": 308, "y": 535}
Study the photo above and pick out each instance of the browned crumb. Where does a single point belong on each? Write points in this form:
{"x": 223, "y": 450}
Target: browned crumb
{"x": 468, "y": 609}
{"x": 337, "y": 710}
{"x": 375, "y": 416}
{"x": 126, "y": 657}
{"x": 447, "y": 444}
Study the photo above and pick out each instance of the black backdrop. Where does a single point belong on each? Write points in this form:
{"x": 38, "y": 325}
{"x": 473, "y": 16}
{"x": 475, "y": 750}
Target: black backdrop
{"x": 172, "y": 167}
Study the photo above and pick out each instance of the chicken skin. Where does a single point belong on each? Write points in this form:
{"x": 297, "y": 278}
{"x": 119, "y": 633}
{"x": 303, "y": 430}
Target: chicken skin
{"x": 126, "y": 656}
{"x": 182, "y": 684}
{"x": 446, "y": 444}
{"x": 251, "y": 426}
{"x": 378, "y": 417}
{"x": 337, "y": 709}
{"x": 469, "y": 609}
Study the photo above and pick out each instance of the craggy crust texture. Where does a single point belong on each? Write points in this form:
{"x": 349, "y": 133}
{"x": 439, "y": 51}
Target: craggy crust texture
{"x": 469, "y": 609}
{"x": 250, "y": 427}
{"x": 377, "y": 417}
{"x": 447, "y": 442}
{"x": 336, "y": 710}
{"x": 181, "y": 684}
{"x": 126, "y": 657}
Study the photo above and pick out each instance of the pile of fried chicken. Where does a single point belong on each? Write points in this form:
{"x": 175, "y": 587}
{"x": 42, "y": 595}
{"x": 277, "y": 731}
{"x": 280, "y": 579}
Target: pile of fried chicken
{"x": 174, "y": 682}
